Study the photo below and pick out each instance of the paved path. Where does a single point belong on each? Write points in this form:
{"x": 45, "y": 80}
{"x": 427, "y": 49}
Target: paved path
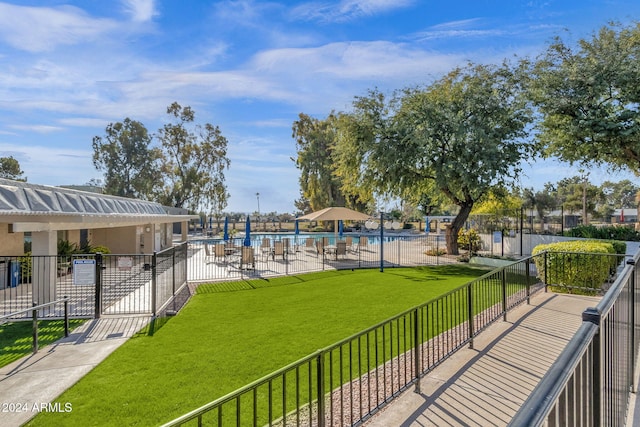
{"x": 39, "y": 379}
{"x": 486, "y": 386}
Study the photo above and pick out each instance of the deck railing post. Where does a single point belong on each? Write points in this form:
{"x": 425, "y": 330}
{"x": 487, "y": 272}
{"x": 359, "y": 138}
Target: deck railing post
{"x": 320, "y": 388}
{"x": 416, "y": 350}
{"x": 592, "y": 315}
{"x": 470, "y": 314}
{"x": 528, "y": 278}
{"x": 504, "y": 294}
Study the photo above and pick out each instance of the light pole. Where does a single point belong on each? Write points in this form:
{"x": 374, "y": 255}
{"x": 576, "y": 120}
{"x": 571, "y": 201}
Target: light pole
{"x": 258, "y": 197}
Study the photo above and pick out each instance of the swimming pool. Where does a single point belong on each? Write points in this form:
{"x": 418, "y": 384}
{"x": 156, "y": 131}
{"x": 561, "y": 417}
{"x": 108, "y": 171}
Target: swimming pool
{"x": 256, "y": 237}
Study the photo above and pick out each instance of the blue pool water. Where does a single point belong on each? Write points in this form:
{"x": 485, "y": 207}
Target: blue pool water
{"x": 256, "y": 237}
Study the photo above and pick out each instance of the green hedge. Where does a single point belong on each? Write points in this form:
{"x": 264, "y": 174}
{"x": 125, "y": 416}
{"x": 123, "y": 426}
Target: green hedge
{"x": 581, "y": 266}
{"x": 613, "y": 232}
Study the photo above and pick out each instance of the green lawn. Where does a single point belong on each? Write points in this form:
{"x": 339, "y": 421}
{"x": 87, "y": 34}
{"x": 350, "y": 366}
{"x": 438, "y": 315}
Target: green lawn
{"x": 230, "y": 334}
{"x": 16, "y": 338}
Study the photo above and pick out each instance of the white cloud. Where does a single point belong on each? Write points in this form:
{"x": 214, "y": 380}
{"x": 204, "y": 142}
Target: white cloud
{"x": 140, "y": 10}
{"x": 40, "y": 29}
{"x": 346, "y": 10}
{"x": 37, "y": 128}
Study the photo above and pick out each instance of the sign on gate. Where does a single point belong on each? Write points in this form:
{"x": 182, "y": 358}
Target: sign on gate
{"x": 84, "y": 271}
{"x": 125, "y": 263}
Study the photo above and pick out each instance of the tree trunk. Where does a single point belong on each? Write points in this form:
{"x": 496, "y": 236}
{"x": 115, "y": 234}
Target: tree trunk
{"x": 451, "y": 233}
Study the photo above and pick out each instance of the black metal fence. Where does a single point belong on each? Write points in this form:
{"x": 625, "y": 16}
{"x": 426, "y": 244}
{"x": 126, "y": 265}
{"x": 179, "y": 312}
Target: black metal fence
{"x": 96, "y": 285}
{"x": 214, "y": 259}
{"x": 590, "y": 383}
{"x": 344, "y": 384}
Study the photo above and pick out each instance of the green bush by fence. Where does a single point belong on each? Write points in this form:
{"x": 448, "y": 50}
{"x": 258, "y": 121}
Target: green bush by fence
{"x": 612, "y": 232}
{"x": 579, "y": 266}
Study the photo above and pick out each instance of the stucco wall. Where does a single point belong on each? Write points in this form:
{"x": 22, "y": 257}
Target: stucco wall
{"x": 11, "y": 244}
{"x": 119, "y": 240}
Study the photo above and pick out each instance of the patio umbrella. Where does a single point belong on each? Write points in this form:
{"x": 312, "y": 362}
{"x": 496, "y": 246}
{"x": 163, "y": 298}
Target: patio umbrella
{"x": 335, "y": 213}
{"x": 340, "y": 228}
{"x": 210, "y": 223}
{"x": 296, "y": 228}
{"x": 226, "y": 229}
{"x": 247, "y": 232}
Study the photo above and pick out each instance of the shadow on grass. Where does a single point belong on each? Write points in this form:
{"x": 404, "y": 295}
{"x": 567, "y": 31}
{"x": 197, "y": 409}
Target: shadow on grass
{"x": 16, "y": 338}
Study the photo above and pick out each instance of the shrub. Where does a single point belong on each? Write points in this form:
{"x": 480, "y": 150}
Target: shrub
{"x": 435, "y": 252}
{"x": 469, "y": 240}
{"x": 612, "y": 232}
{"x": 582, "y": 266}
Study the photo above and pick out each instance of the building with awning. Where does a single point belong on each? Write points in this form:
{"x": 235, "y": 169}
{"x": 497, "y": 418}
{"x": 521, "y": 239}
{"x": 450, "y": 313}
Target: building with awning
{"x": 45, "y": 214}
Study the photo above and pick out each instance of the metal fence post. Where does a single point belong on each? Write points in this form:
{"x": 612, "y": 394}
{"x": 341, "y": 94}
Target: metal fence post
{"x": 546, "y": 268}
{"x": 632, "y": 334}
{"x": 98, "y": 296}
{"x": 592, "y": 315}
{"x": 470, "y": 314}
{"x": 66, "y": 316}
{"x": 528, "y": 278}
{"x": 381, "y": 242}
{"x": 173, "y": 271}
{"x": 504, "y": 294}
{"x": 154, "y": 282}
{"x": 416, "y": 351}
{"x": 320, "y": 388}
{"x": 34, "y": 317}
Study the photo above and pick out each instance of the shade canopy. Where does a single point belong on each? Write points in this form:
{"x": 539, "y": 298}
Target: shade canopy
{"x": 335, "y": 214}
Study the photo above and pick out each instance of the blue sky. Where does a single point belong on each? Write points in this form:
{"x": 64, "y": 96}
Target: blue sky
{"x": 69, "y": 68}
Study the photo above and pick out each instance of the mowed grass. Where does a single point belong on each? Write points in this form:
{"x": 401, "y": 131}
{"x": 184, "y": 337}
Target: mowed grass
{"x": 16, "y": 338}
{"x": 230, "y": 334}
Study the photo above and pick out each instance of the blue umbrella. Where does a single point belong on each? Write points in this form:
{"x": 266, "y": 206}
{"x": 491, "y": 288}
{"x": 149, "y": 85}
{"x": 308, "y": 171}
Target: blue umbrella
{"x": 210, "y": 223}
{"x": 296, "y": 228}
{"x": 226, "y": 228}
{"x": 340, "y": 228}
{"x": 247, "y": 232}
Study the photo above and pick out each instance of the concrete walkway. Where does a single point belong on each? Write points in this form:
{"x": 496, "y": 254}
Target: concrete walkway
{"x": 486, "y": 386}
{"x": 40, "y": 378}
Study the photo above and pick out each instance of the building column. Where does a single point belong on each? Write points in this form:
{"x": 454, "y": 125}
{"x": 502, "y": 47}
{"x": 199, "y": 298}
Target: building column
{"x": 44, "y": 248}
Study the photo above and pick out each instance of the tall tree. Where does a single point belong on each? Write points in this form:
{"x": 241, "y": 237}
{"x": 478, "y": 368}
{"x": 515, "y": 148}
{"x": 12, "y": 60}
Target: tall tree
{"x": 195, "y": 159}
{"x": 590, "y": 97}
{"x": 461, "y": 136}
{"x": 320, "y": 186}
{"x": 129, "y": 163}
{"x": 10, "y": 169}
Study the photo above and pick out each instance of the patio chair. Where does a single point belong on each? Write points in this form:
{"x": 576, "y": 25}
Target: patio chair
{"x": 310, "y": 244}
{"x": 341, "y": 249}
{"x": 207, "y": 252}
{"x": 363, "y": 243}
{"x": 278, "y": 249}
{"x": 319, "y": 247}
{"x": 247, "y": 259}
{"x": 265, "y": 248}
{"x": 219, "y": 251}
